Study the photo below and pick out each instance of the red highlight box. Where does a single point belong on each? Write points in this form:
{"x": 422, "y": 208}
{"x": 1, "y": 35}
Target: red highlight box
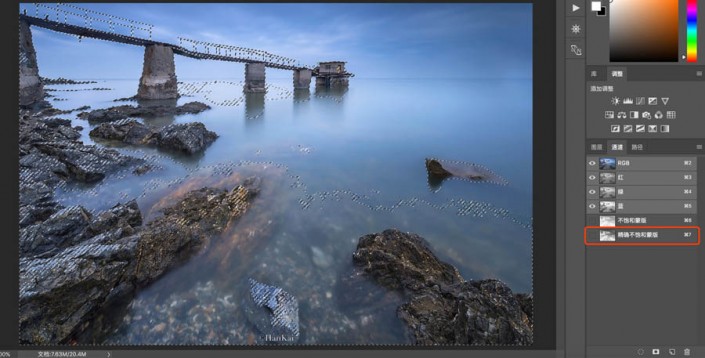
{"x": 640, "y": 243}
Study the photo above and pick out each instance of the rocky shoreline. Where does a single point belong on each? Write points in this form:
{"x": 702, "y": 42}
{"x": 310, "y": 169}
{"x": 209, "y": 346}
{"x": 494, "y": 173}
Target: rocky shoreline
{"x": 77, "y": 269}
{"x": 441, "y": 307}
{"x": 80, "y": 270}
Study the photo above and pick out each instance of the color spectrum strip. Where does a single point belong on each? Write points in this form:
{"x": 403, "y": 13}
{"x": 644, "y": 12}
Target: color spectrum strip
{"x": 692, "y": 31}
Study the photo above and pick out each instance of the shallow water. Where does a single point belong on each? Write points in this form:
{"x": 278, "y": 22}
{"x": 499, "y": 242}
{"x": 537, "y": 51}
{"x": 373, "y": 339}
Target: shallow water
{"x": 340, "y": 164}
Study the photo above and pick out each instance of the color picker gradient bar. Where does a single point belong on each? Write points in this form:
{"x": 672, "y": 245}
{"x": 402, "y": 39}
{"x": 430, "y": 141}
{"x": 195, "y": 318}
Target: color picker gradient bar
{"x": 692, "y": 30}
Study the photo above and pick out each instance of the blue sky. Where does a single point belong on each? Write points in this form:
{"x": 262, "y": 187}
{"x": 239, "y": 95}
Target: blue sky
{"x": 377, "y": 40}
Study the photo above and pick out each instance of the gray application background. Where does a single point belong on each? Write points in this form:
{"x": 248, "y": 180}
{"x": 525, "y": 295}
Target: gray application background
{"x": 627, "y": 300}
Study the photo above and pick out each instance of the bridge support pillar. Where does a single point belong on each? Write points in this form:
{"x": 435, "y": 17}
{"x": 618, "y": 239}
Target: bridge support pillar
{"x": 254, "y": 78}
{"x": 158, "y": 79}
{"x": 302, "y": 79}
{"x": 31, "y": 88}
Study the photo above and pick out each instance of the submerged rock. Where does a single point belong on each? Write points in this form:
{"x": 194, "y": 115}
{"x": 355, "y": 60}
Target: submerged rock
{"x": 442, "y": 308}
{"x": 79, "y": 271}
{"x": 273, "y": 311}
{"x": 440, "y": 170}
{"x": 320, "y": 258}
{"x": 64, "y": 81}
{"x": 188, "y": 138}
{"x": 126, "y": 111}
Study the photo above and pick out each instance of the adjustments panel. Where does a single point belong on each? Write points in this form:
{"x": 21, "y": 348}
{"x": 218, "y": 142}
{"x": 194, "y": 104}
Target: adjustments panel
{"x": 641, "y": 71}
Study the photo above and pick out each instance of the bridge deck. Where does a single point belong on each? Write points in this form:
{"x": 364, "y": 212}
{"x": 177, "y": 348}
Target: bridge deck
{"x": 114, "y": 37}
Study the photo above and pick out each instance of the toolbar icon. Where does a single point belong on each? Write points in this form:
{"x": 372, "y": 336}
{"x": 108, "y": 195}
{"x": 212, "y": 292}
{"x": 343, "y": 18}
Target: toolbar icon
{"x": 609, "y": 114}
{"x": 665, "y": 100}
{"x": 576, "y": 50}
{"x": 628, "y": 101}
{"x": 671, "y": 115}
{"x": 640, "y": 101}
{"x": 653, "y": 128}
{"x": 628, "y": 128}
{"x": 575, "y": 29}
{"x": 614, "y": 128}
{"x": 653, "y": 101}
{"x": 646, "y": 115}
{"x": 658, "y": 115}
{"x": 634, "y": 114}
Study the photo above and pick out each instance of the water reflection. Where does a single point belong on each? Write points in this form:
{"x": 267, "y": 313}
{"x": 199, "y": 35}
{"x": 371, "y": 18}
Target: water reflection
{"x": 158, "y": 121}
{"x": 254, "y": 109}
{"x": 302, "y": 95}
{"x": 337, "y": 93}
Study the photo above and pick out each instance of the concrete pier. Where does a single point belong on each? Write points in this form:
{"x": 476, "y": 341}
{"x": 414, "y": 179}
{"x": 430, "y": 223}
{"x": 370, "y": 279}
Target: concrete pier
{"x": 158, "y": 79}
{"x": 31, "y": 88}
{"x": 302, "y": 79}
{"x": 332, "y": 81}
{"x": 254, "y": 78}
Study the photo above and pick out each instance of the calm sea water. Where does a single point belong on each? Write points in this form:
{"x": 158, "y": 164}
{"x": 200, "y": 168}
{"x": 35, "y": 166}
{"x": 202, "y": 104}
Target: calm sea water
{"x": 352, "y": 164}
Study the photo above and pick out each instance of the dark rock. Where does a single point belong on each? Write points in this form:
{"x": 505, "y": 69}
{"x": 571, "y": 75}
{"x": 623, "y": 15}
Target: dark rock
{"x": 126, "y": 99}
{"x": 187, "y": 138}
{"x": 128, "y": 131}
{"x": 122, "y": 216}
{"x": 55, "y": 147}
{"x": 56, "y": 122}
{"x": 435, "y": 168}
{"x": 126, "y": 111}
{"x": 49, "y": 154}
{"x": 79, "y": 271}
{"x": 526, "y": 301}
{"x": 438, "y": 171}
{"x": 49, "y": 111}
{"x": 442, "y": 308}
{"x": 107, "y": 115}
{"x": 62, "y": 229}
{"x": 193, "y": 108}
{"x": 36, "y": 203}
{"x": 273, "y": 311}
{"x": 398, "y": 260}
{"x": 86, "y": 163}
{"x": 142, "y": 169}
{"x": 64, "y": 81}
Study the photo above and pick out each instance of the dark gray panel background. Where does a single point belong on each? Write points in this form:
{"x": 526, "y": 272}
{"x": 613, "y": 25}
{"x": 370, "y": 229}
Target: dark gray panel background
{"x": 642, "y": 296}
{"x": 645, "y": 296}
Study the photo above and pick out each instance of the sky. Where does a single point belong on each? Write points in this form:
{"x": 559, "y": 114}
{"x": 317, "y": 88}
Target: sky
{"x": 377, "y": 40}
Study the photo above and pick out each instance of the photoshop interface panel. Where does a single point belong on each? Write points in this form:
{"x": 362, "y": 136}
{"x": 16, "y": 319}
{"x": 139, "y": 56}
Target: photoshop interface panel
{"x": 464, "y": 179}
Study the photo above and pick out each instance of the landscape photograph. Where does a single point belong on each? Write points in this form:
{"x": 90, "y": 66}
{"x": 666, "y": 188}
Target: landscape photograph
{"x": 285, "y": 174}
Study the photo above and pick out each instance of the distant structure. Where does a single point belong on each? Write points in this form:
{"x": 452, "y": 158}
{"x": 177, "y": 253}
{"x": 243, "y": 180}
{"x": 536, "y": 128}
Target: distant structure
{"x": 158, "y": 80}
{"x": 331, "y": 74}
